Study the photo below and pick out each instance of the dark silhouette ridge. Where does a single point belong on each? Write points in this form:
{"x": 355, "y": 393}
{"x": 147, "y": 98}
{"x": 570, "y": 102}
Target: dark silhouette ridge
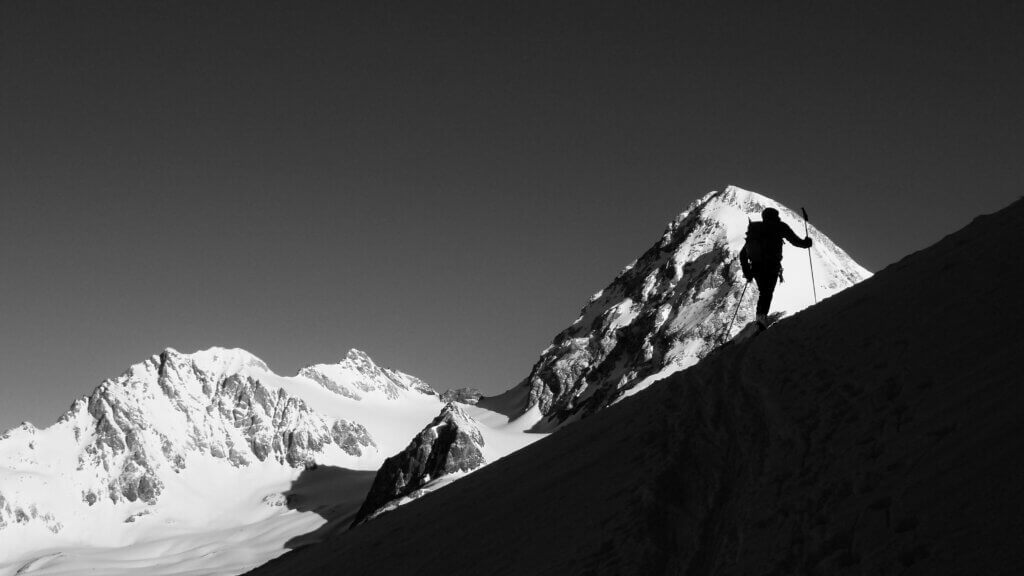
{"x": 878, "y": 432}
{"x": 317, "y": 489}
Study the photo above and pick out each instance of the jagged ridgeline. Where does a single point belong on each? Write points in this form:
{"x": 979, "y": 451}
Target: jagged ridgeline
{"x": 209, "y": 420}
{"x": 669, "y": 308}
{"x": 136, "y": 427}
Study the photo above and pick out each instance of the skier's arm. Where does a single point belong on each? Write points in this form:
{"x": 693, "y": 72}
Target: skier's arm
{"x": 745, "y": 264}
{"x": 793, "y": 239}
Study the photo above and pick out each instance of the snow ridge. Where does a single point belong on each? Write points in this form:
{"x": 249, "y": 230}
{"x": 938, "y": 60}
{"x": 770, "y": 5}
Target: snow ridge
{"x": 357, "y": 375}
{"x": 670, "y": 307}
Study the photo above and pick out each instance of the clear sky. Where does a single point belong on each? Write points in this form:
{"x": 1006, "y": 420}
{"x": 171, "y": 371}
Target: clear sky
{"x": 444, "y": 184}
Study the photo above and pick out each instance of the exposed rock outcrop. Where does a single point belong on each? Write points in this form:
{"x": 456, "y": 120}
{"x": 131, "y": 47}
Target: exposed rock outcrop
{"x": 463, "y": 395}
{"x": 16, "y": 514}
{"x": 450, "y": 444}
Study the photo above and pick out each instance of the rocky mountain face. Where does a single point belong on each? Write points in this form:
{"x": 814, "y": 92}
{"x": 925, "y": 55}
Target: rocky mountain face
{"x": 463, "y": 395}
{"x": 451, "y": 444}
{"x": 230, "y": 416}
{"x": 120, "y": 444}
{"x": 672, "y": 306}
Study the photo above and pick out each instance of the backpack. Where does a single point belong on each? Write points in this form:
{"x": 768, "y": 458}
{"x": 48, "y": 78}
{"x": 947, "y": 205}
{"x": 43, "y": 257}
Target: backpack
{"x": 758, "y": 243}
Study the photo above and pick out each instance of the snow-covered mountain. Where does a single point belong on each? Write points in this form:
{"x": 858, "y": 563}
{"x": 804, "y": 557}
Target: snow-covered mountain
{"x": 877, "y": 433}
{"x": 672, "y": 306}
{"x": 182, "y": 445}
{"x": 661, "y": 314}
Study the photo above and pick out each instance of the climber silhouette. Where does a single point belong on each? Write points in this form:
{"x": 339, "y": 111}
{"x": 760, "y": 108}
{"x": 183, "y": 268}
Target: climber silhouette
{"x": 761, "y": 257}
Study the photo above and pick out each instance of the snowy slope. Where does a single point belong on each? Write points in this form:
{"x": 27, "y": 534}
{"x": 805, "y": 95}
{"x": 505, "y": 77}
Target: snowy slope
{"x": 877, "y": 433}
{"x": 663, "y": 313}
{"x": 179, "y": 464}
{"x": 673, "y": 305}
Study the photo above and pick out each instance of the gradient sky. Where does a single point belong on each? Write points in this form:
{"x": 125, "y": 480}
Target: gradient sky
{"x": 445, "y": 184}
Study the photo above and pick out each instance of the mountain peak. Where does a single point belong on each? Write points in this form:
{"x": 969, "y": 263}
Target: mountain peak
{"x": 359, "y": 358}
{"x": 672, "y": 306}
{"x": 226, "y": 359}
{"x": 740, "y": 195}
{"x": 357, "y": 374}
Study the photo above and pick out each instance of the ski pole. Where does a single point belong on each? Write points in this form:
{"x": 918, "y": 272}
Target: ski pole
{"x": 738, "y": 302}
{"x": 810, "y": 261}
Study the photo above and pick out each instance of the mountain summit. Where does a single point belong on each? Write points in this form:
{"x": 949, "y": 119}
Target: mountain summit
{"x": 671, "y": 307}
{"x": 663, "y": 313}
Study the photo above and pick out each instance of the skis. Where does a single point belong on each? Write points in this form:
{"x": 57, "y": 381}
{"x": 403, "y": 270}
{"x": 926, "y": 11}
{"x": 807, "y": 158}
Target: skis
{"x": 752, "y": 330}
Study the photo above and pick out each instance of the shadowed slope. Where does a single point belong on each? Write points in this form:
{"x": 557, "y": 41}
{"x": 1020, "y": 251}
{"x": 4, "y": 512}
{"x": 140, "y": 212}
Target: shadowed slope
{"x": 664, "y": 312}
{"x": 333, "y": 493}
{"x": 879, "y": 432}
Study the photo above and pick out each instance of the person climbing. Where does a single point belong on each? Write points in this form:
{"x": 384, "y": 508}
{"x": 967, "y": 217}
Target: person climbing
{"x": 761, "y": 257}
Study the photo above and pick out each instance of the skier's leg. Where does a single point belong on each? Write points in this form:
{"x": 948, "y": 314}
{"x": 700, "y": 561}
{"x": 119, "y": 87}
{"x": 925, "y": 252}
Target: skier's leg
{"x": 766, "y": 289}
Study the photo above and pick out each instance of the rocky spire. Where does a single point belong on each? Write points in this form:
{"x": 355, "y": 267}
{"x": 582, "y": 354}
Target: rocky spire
{"x": 450, "y": 444}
